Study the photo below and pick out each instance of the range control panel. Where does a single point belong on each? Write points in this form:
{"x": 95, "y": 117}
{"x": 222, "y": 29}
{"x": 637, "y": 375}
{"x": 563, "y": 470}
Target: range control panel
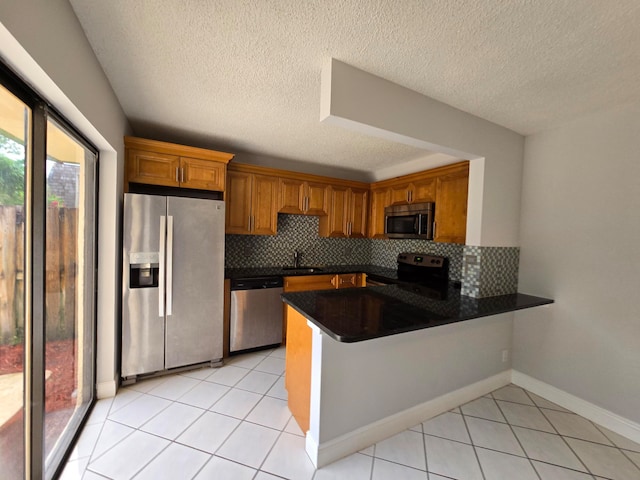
{"x": 422, "y": 260}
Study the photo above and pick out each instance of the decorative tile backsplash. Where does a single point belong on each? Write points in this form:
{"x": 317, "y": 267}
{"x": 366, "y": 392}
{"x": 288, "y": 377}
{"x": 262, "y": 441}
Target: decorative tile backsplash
{"x": 295, "y": 232}
{"x": 490, "y": 271}
{"x": 483, "y": 271}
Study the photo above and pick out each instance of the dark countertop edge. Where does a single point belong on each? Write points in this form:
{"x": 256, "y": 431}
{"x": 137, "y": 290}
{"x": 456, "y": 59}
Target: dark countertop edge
{"x": 535, "y": 302}
{"x": 374, "y": 271}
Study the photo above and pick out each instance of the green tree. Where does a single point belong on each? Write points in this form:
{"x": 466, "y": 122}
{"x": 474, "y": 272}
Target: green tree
{"x": 11, "y": 171}
{"x": 11, "y": 181}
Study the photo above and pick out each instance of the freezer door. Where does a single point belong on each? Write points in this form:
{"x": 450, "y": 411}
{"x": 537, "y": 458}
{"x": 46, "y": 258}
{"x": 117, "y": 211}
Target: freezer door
{"x": 142, "y": 317}
{"x": 195, "y": 281}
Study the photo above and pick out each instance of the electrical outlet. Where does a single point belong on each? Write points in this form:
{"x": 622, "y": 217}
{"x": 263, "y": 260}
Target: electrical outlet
{"x": 505, "y": 355}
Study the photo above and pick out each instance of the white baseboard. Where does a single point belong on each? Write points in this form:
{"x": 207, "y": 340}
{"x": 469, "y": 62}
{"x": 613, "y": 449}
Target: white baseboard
{"x": 106, "y": 389}
{"x": 596, "y": 414}
{"x": 352, "y": 442}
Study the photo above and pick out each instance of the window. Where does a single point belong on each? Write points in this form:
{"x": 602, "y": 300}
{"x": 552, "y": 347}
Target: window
{"x": 47, "y": 282}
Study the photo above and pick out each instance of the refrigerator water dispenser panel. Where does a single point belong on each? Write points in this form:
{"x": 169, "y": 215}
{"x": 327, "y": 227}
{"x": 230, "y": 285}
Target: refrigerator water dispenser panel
{"x": 144, "y": 269}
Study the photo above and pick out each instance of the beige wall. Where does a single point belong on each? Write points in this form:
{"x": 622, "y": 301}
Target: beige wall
{"x": 43, "y": 42}
{"x": 580, "y": 234}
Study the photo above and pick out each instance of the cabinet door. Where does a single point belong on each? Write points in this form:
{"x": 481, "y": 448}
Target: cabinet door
{"x": 451, "y": 207}
{"x": 358, "y": 213}
{"x": 399, "y": 194}
{"x": 292, "y": 196}
{"x": 380, "y": 198}
{"x": 264, "y": 205}
{"x": 335, "y": 223}
{"x": 309, "y": 282}
{"x": 153, "y": 168}
{"x": 238, "y": 200}
{"x": 317, "y": 198}
{"x": 202, "y": 174}
{"x": 423, "y": 190}
{"x": 298, "y": 367}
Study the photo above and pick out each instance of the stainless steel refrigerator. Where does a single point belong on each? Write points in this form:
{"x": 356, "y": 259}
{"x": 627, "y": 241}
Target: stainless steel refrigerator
{"x": 172, "y": 283}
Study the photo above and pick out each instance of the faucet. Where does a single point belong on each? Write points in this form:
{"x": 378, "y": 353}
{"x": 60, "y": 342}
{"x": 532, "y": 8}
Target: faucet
{"x": 296, "y": 258}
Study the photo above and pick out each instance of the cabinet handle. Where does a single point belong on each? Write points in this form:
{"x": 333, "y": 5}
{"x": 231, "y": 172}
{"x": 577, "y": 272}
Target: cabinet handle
{"x": 182, "y": 175}
{"x": 306, "y": 204}
{"x": 177, "y": 179}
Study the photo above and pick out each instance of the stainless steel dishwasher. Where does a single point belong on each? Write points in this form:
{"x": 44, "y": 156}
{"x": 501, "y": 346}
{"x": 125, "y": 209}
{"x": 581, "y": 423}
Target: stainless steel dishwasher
{"x": 256, "y": 313}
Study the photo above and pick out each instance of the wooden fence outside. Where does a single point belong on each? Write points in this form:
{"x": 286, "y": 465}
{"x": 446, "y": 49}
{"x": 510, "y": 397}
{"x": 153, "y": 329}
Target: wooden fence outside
{"x": 60, "y": 274}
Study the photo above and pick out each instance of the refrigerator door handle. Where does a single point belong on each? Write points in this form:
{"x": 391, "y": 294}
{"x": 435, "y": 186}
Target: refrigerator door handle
{"x": 161, "y": 266}
{"x": 169, "y": 265}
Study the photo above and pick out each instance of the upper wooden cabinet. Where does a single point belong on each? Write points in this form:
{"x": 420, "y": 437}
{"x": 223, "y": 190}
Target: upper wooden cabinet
{"x": 451, "y": 205}
{"x": 446, "y": 186}
{"x": 380, "y": 198}
{"x": 348, "y": 213}
{"x": 252, "y": 202}
{"x": 418, "y": 190}
{"x": 303, "y": 197}
{"x": 168, "y": 164}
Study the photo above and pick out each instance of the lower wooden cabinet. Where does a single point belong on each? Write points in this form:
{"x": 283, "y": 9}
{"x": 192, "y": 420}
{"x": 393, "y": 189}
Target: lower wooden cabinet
{"x": 297, "y": 379}
{"x": 309, "y": 282}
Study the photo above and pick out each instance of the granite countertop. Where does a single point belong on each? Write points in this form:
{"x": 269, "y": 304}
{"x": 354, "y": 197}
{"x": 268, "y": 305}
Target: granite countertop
{"x": 373, "y": 271}
{"x": 357, "y": 314}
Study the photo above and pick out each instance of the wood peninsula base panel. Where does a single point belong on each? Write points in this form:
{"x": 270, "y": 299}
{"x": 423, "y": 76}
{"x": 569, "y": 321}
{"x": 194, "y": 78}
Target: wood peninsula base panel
{"x": 298, "y": 367}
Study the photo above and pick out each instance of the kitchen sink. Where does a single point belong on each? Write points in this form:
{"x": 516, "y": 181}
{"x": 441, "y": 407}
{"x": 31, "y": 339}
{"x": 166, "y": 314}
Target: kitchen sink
{"x": 308, "y": 269}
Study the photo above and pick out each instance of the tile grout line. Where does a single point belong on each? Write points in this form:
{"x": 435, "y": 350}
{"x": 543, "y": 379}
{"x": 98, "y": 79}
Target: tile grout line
{"x": 473, "y": 446}
{"x": 564, "y": 440}
{"x": 513, "y": 432}
{"x": 175, "y": 441}
{"x": 623, "y": 451}
{"x": 243, "y": 420}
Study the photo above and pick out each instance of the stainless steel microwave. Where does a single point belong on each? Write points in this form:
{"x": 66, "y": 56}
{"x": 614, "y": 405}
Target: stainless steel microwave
{"x": 409, "y": 221}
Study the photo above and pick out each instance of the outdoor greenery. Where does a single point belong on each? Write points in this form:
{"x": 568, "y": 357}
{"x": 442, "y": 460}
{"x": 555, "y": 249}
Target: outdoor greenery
{"x": 11, "y": 171}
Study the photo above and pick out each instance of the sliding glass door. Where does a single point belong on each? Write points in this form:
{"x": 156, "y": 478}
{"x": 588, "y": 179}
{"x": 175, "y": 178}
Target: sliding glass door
{"x": 69, "y": 292}
{"x": 15, "y": 120}
{"x": 47, "y": 283}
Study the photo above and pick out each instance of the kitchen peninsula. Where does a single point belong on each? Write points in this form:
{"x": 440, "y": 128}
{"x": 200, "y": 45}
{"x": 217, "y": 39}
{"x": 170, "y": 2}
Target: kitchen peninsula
{"x": 364, "y": 364}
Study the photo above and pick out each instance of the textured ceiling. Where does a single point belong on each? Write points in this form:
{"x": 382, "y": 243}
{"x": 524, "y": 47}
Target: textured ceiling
{"x": 245, "y": 75}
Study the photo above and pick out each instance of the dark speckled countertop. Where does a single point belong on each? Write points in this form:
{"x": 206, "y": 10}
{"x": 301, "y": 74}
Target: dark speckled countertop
{"x": 373, "y": 271}
{"x": 357, "y": 314}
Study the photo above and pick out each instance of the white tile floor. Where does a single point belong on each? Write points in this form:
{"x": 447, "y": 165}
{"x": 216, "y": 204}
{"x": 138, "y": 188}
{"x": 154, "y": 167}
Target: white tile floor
{"x": 233, "y": 423}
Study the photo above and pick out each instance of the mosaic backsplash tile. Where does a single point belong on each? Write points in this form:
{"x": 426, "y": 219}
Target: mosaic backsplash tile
{"x": 483, "y": 271}
{"x": 295, "y": 232}
{"x": 490, "y": 271}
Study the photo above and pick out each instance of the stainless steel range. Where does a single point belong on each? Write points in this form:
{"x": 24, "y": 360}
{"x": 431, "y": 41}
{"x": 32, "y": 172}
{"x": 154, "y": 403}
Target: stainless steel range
{"x": 424, "y": 273}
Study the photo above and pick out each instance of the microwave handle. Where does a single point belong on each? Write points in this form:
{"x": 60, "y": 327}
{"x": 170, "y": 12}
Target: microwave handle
{"x": 386, "y": 224}
{"x": 418, "y": 224}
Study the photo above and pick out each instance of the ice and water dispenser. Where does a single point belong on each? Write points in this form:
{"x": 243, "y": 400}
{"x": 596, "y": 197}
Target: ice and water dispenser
{"x": 144, "y": 269}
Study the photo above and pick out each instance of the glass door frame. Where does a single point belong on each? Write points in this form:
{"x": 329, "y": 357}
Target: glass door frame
{"x": 35, "y": 276}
